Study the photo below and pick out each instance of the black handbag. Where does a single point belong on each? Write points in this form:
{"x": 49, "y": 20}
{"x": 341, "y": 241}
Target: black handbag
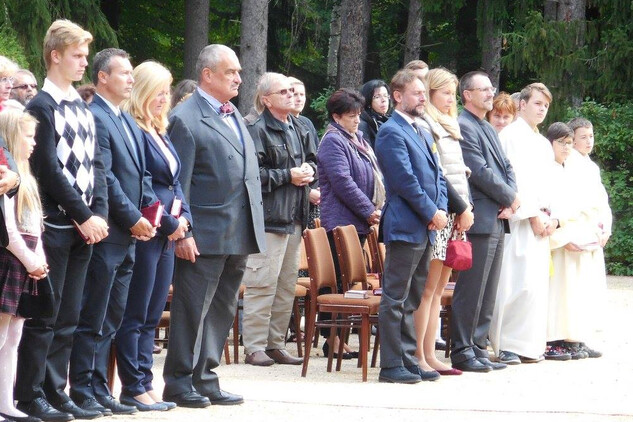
{"x": 38, "y": 301}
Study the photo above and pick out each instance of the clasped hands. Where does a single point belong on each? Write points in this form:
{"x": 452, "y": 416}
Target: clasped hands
{"x": 301, "y": 176}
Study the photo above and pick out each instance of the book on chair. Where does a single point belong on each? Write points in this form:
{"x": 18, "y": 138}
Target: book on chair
{"x": 356, "y": 294}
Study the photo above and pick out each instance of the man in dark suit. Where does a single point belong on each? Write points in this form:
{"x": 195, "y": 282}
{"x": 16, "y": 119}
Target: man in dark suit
{"x": 493, "y": 189}
{"x": 110, "y": 268}
{"x": 220, "y": 181}
{"x": 415, "y": 209}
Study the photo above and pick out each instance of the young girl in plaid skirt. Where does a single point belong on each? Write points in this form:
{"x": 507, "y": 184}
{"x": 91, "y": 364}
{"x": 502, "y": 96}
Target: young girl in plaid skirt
{"x": 23, "y": 259}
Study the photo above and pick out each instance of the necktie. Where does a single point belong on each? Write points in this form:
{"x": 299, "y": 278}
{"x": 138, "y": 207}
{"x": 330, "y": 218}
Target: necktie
{"x": 226, "y": 109}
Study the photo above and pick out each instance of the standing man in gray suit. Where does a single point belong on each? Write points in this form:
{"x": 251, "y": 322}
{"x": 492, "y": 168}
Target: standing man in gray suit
{"x": 220, "y": 181}
{"x": 493, "y": 189}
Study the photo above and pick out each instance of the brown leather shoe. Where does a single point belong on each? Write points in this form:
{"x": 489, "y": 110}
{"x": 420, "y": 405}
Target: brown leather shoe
{"x": 259, "y": 359}
{"x": 283, "y": 357}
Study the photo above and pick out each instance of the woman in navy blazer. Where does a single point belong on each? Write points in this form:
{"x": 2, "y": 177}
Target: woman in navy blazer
{"x": 154, "y": 265}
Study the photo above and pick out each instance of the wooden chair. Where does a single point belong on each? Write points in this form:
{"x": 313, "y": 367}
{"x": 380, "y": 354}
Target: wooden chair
{"x": 376, "y": 251}
{"x": 353, "y": 270}
{"x": 445, "y": 314}
{"x": 322, "y": 275}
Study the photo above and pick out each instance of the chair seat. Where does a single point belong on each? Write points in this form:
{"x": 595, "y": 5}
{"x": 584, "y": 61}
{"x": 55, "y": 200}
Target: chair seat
{"x": 164, "y": 320}
{"x": 373, "y": 302}
{"x": 300, "y": 291}
{"x": 304, "y": 281}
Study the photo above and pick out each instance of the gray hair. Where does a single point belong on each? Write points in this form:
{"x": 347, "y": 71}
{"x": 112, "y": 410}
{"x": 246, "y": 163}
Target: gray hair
{"x": 210, "y": 56}
{"x": 264, "y": 86}
{"x": 101, "y": 61}
{"x": 27, "y": 72}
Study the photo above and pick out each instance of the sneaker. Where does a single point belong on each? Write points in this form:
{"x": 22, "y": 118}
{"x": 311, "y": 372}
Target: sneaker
{"x": 575, "y": 351}
{"x": 509, "y": 358}
{"x": 590, "y": 352}
{"x": 557, "y": 353}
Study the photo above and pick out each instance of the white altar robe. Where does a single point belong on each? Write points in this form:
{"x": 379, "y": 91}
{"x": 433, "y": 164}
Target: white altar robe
{"x": 519, "y": 321}
{"x": 578, "y": 283}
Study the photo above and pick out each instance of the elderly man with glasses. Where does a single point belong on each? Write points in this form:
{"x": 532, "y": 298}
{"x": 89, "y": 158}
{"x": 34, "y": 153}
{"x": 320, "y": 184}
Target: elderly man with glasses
{"x": 287, "y": 164}
{"x": 24, "y": 86}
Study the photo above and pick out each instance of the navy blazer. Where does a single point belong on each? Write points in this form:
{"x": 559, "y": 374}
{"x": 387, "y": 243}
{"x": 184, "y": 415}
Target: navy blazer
{"x": 492, "y": 182}
{"x": 415, "y": 185}
{"x": 129, "y": 183}
{"x": 166, "y": 185}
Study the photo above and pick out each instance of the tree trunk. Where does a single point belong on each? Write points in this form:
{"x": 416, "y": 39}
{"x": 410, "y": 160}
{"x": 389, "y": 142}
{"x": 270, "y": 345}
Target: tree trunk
{"x": 353, "y": 48}
{"x": 491, "y": 48}
{"x": 253, "y": 49}
{"x": 196, "y": 34}
{"x": 414, "y": 32}
{"x": 573, "y": 12}
{"x": 335, "y": 42}
{"x": 550, "y": 10}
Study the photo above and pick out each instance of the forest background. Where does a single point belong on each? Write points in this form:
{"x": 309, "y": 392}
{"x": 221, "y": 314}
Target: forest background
{"x": 581, "y": 49}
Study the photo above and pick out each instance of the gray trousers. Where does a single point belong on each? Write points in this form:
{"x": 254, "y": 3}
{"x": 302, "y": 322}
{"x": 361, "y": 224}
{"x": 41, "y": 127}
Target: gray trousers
{"x": 474, "y": 297}
{"x": 202, "y": 312}
{"x": 406, "y": 268}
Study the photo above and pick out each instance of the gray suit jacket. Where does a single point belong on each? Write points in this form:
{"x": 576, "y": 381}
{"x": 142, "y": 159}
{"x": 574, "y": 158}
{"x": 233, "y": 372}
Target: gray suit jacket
{"x": 219, "y": 178}
{"x": 492, "y": 182}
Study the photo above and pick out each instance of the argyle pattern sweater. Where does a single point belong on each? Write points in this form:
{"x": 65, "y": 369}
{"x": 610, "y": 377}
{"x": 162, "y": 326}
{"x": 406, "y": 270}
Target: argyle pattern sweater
{"x": 66, "y": 161}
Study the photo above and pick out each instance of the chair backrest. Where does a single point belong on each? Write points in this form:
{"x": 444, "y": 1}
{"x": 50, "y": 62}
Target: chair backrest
{"x": 350, "y": 257}
{"x": 320, "y": 264}
{"x": 303, "y": 260}
{"x": 377, "y": 251}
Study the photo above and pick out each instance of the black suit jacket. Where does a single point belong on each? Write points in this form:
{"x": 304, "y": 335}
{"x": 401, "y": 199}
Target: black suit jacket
{"x": 129, "y": 183}
{"x": 4, "y": 237}
{"x": 492, "y": 182}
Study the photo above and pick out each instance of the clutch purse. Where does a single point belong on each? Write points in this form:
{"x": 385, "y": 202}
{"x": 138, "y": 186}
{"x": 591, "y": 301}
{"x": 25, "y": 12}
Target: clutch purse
{"x": 459, "y": 252}
{"x": 38, "y": 301}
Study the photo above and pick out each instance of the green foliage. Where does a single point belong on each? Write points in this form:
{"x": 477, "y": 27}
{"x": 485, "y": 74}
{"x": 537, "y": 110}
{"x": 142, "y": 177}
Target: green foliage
{"x": 613, "y": 152}
{"x": 9, "y": 45}
{"x": 318, "y": 105}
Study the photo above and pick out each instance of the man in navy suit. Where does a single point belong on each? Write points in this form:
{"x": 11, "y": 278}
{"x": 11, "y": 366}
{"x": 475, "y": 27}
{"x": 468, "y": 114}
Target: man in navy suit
{"x": 110, "y": 268}
{"x": 493, "y": 189}
{"x": 415, "y": 209}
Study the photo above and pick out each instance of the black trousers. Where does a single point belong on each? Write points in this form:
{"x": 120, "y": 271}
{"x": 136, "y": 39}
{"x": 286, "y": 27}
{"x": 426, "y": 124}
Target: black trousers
{"x": 44, "y": 350}
{"x": 474, "y": 297}
{"x": 103, "y": 306}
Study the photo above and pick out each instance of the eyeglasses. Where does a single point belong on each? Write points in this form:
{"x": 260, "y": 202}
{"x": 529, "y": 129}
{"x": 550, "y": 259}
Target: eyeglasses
{"x": 284, "y": 91}
{"x": 563, "y": 142}
{"x": 381, "y": 97}
{"x": 490, "y": 89}
{"x": 25, "y": 86}
{"x": 6, "y": 79}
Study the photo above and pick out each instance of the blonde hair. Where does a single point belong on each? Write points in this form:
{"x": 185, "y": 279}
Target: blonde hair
{"x": 149, "y": 78}
{"x": 526, "y": 93}
{"x": 503, "y": 103}
{"x": 7, "y": 67}
{"x": 435, "y": 80}
{"x": 60, "y": 35}
{"x": 11, "y": 129}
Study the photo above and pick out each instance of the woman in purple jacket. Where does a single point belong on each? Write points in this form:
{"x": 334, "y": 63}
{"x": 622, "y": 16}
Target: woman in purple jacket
{"x": 352, "y": 190}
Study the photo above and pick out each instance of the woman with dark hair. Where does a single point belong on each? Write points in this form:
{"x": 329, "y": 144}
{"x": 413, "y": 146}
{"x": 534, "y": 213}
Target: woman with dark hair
{"x": 182, "y": 91}
{"x": 376, "y": 110}
{"x": 352, "y": 190}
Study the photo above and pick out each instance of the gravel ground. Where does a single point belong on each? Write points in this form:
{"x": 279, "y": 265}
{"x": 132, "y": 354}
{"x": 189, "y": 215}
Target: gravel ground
{"x": 585, "y": 390}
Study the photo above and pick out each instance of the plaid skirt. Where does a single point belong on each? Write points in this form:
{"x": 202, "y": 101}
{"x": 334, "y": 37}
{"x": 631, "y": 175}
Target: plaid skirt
{"x": 14, "y": 278}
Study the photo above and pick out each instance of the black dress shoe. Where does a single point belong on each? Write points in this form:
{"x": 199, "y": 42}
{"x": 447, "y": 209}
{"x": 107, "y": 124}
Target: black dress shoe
{"x": 26, "y": 418}
{"x": 398, "y": 375}
{"x": 188, "y": 399}
{"x": 131, "y": 401}
{"x": 92, "y": 404}
{"x": 472, "y": 365}
{"x": 43, "y": 410}
{"x": 115, "y": 406}
{"x": 493, "y": 365}
{"x": 78, "y": 412}
{"x": 346, "y": 355}
{"x": 224, "y": 398}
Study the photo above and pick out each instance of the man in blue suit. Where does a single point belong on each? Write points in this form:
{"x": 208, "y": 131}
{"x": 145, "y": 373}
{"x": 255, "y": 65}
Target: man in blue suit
{"x": 415, "y": 209}
{"x": 110, "y": 268}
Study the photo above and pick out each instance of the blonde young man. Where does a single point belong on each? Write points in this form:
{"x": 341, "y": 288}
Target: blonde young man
{"x": 67, "y": 165}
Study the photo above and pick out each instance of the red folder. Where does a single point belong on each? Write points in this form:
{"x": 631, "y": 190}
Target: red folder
{"x": 153, "y": 213}
{"x": 3, "y": 158}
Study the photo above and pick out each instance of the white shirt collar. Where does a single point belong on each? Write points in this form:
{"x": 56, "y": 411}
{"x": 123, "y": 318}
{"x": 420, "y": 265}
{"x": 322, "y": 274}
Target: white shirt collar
{"x": 116, "y": 110}
{"x": 406, "y": 117}
{"x": 59, "y": 95}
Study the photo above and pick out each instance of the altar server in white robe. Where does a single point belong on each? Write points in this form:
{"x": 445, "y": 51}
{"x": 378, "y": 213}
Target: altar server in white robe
{"x": 578, "y": 283}
{"x": 519, "y": 322}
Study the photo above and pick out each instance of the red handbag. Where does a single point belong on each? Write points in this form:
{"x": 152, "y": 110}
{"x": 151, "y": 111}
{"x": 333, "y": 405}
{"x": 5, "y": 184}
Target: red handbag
{"x": 459, "y": 252}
